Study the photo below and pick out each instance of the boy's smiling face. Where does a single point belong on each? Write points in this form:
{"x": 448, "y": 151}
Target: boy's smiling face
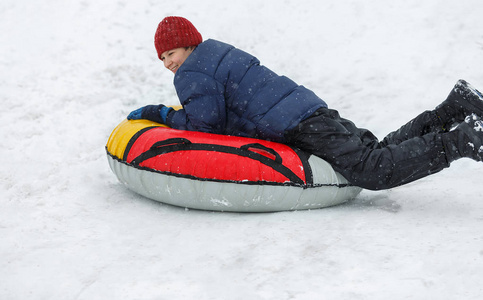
{"x": 174, "y": 58}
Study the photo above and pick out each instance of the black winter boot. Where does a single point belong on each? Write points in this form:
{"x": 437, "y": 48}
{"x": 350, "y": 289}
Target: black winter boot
{"x": 462, "y": 101}
{"x": 466, "y": 140}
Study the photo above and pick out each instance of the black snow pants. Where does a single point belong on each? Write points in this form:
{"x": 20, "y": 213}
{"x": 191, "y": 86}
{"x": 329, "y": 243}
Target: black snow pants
{"x": 410, "y": 153}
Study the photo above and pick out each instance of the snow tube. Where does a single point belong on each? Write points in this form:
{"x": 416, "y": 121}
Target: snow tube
{"x": 219, "y": 172}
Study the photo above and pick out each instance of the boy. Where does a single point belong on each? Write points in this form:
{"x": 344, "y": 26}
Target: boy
{"x": 226, "y": 91}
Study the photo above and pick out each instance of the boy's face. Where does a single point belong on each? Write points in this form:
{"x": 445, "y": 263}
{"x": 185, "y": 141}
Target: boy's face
{"x": 174, "y": 58}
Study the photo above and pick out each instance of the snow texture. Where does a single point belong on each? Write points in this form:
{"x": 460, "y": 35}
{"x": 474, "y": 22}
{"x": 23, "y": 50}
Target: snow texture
{"x": 72, "y": 70}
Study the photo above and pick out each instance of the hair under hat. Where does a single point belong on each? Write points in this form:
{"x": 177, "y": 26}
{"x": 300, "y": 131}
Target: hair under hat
{"x": 175, "y": 32}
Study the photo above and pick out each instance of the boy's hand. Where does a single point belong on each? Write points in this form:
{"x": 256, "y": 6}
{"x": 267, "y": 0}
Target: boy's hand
{"x": 155, "y": 113}
{"x": 136, "y": 114}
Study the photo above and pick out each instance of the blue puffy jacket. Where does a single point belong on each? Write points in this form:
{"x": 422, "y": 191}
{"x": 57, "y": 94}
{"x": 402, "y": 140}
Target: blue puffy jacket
{"x": 225, "y": 90}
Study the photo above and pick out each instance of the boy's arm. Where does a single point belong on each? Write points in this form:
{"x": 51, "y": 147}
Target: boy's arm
{"x": 203, "y": 103}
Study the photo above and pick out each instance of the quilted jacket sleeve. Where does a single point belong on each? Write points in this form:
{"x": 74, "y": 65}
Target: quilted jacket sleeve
{"x": 203, "y": 103}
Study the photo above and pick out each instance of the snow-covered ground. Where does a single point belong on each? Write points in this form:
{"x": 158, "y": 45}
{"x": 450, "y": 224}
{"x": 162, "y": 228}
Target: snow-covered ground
{"x": 72, "y": 70}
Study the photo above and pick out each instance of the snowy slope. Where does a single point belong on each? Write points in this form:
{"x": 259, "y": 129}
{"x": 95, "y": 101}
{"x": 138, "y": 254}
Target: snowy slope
{"x": 72, "y": 70}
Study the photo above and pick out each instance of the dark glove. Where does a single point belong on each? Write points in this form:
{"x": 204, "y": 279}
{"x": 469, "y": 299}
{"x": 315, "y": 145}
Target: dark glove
{"x": 155, "y": 113}
{"x": 135, "y": 114}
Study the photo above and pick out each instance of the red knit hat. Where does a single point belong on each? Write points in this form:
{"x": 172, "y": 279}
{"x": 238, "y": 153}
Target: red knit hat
{"x": 175, "y": 32}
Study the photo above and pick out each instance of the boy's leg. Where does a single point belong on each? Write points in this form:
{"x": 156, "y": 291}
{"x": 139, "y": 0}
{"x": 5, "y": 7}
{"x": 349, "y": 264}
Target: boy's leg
{"x": 423, "y": 124}
{"x": 358, "y": 156}
{"x": 462, "y": 101}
